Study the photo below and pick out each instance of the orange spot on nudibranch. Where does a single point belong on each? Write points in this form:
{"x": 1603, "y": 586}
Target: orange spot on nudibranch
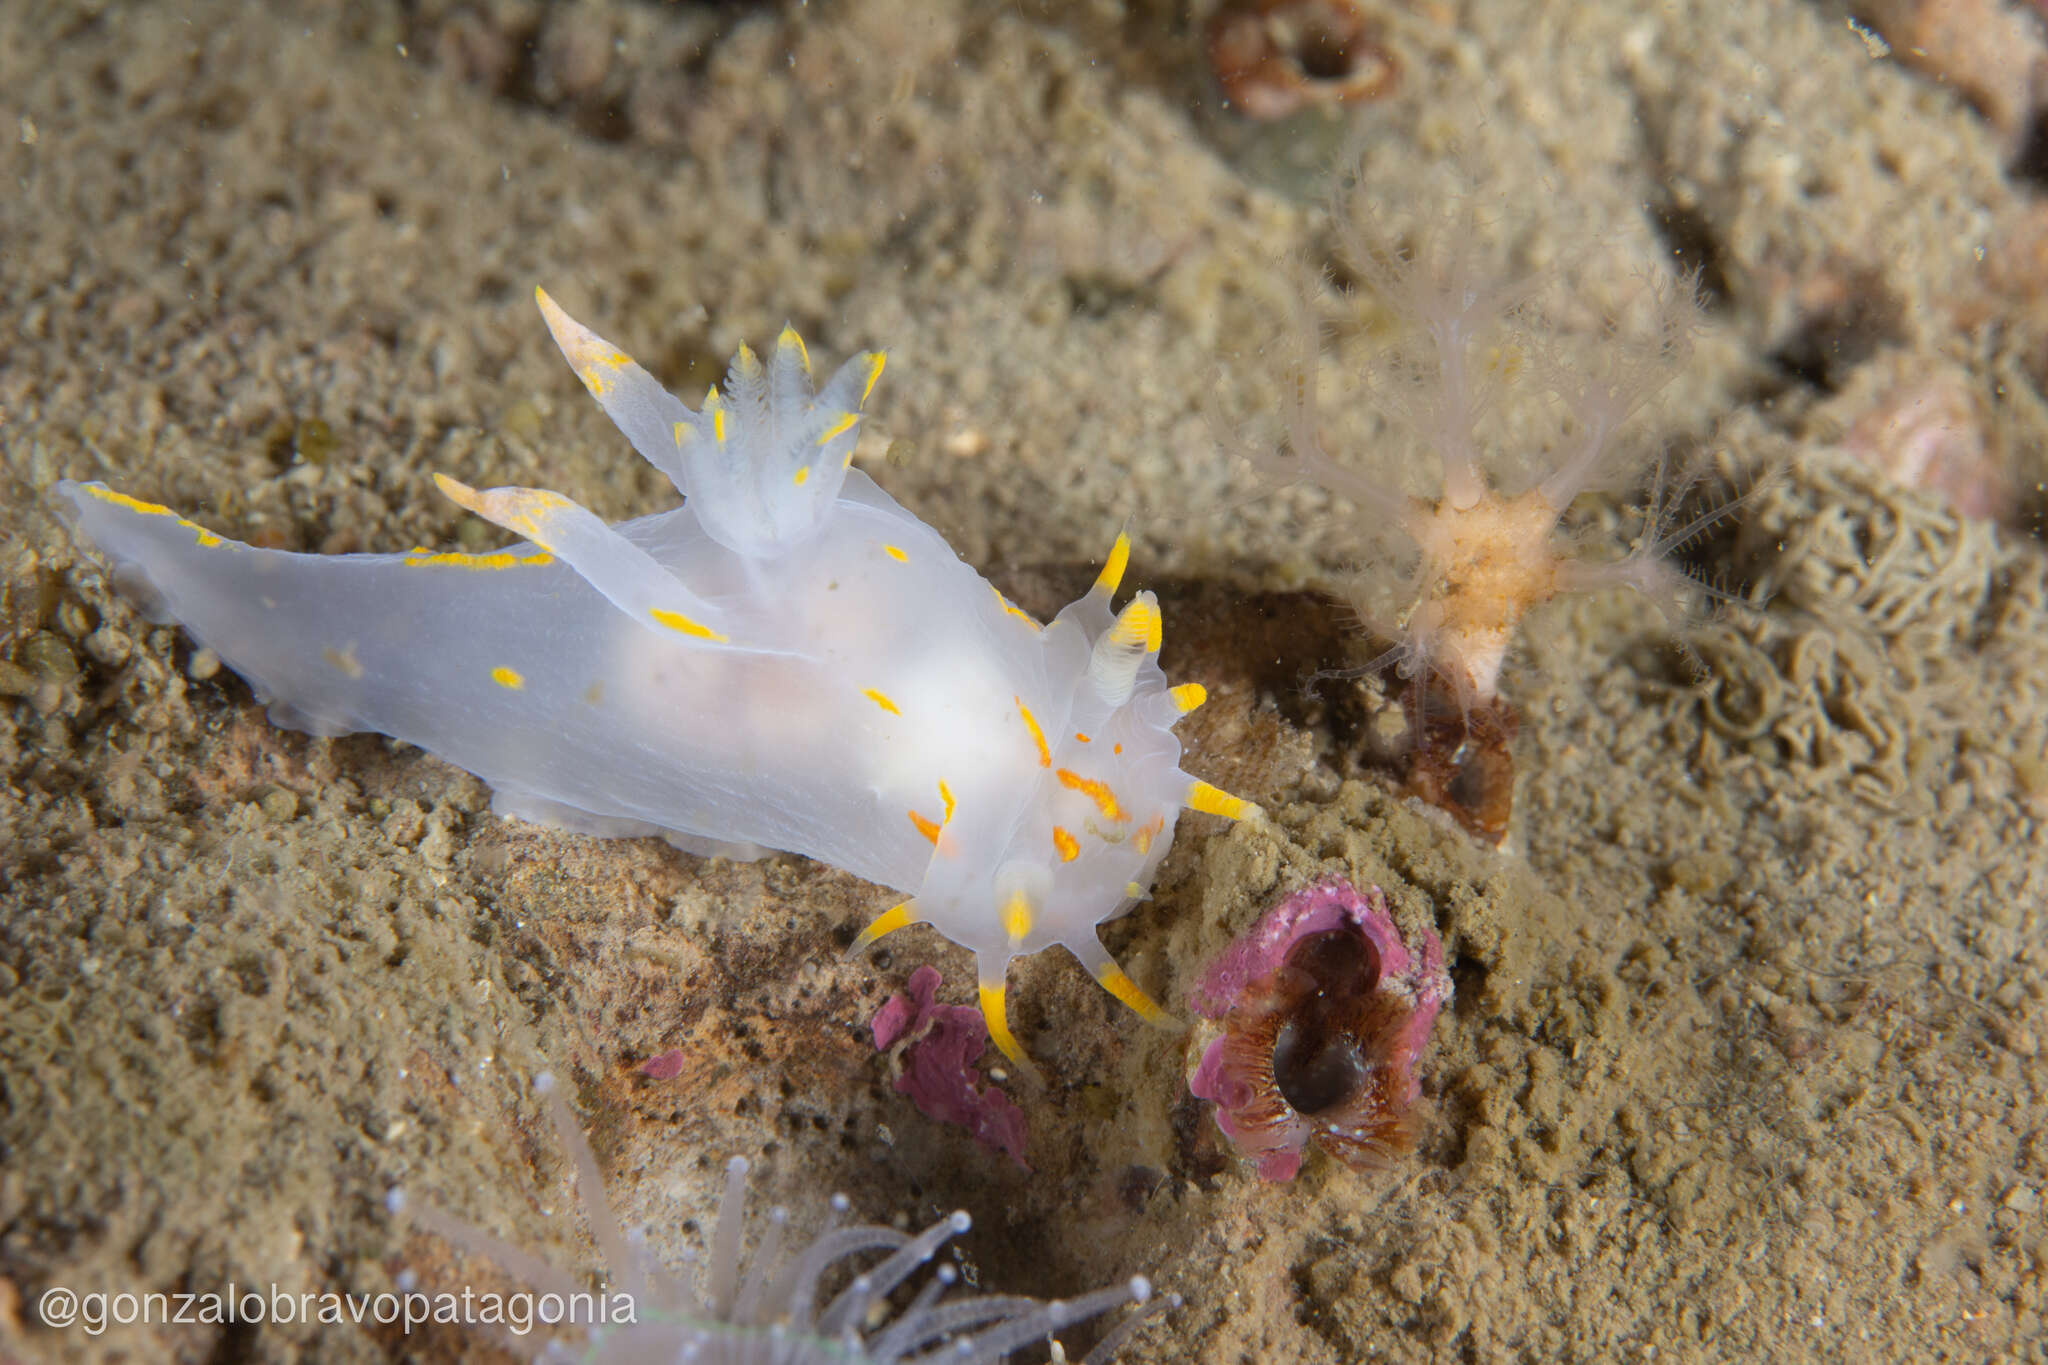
{"x": 1067, "y": 844}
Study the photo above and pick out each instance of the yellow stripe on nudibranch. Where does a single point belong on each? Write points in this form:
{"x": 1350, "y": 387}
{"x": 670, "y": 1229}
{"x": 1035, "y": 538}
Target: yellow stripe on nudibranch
{"x": 1016, "y": 611}
{"x": 206, "y": 539}
{"x": 508, "y": 677}
{"x": 747, "y": 362}
{"x": 1037, "y": 735}
{"x": 1188, "y": 696}
{"x": 787, "y": 339}
{"x": 1112, "y": 574}
{"x": 1215, "y": 801}
{"x": 946, "y": 795}
{"x": 423, "y": 558}
{"x": 683, "y": 432}
{"x": 837, "y": 427}
{"x": 880, "y": 699}
{"x": 683, "y": 625}
{"x": 147, "y": 509}
{"x": 1119, "y": 984}
{"x": 714, "y": 406}
{"x": 888, "y": 922}
{"x": 875, "y": 364}
{"x": 1066, "y": 843}
{"x": 895, "y": 552}
{"x": 1098, "y": 792}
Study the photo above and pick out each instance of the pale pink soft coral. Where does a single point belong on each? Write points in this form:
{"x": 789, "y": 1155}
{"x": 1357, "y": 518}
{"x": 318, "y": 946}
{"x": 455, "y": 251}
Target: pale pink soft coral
{"x": 1452, "y": 571}
{"x": 1324, "y": 1012}
{"x": 1485, "y": 557}
{"x": 940, "y": 1046}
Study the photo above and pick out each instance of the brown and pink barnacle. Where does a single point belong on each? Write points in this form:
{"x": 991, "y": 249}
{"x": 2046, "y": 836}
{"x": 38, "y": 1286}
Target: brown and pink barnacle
{"x": 1319, "y": 1015}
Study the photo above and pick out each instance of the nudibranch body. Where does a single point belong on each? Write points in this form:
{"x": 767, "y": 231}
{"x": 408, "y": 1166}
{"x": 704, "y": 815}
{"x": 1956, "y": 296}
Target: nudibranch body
{"x": 787, "y": 661}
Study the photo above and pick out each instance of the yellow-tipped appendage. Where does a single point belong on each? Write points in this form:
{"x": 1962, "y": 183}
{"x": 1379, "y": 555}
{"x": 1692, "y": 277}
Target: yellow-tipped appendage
{"x": 888, "y": 922}
{"x": 1118, "y": 983}
{"x": 1112, "y": 575}
{"x": 997, "y": 1017}
{"x": 1215, "y": 801}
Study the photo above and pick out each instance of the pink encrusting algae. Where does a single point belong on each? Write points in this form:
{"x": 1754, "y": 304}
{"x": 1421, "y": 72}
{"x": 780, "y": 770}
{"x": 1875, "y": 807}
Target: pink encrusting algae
{"x": 1323, "y": 1012}
{"x": 940, "y": 1044}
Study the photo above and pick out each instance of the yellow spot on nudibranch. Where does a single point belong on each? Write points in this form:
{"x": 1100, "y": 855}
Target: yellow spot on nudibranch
{"x": 837, "y": 427}
{"x": 881, "y": 700}
{"x": 596, "y": 380}
{"x": 594, "y": 694}
{"x": 1215, "y": 801}
{"x": 1017, "y": 917}
{"x": 748, "y": 363}
{"x": 1098, "y": 792}
{"x": 1083, "y": 738}
{"x": 1119, "y": 984}
{"x": 1113, "y": 568}
{"x": 1067, "y": 844}
{"x": 683, "y": 625}
{"x": 895, "y": 552}
{"x": 925, "y": 827}
{"x": 343, "y": 660}
{"x": 508, "y": 677}
{"x": 1037, "y": 735}
{"x": 1188, "y": 696}
{"x": 802, "y": 476}
{"x": 875, "y": 364}
{"x": 888, "y": 922}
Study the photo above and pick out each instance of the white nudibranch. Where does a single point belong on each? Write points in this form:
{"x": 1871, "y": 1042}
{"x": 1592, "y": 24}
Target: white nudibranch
{"x": 788, "y": 661}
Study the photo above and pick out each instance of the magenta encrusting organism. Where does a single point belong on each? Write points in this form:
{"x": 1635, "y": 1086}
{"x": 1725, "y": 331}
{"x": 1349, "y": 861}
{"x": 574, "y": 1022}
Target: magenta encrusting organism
{"x": 1323, "y": 1014}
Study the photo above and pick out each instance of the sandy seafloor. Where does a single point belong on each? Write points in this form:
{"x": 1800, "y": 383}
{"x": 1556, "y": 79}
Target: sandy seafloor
{"x": 1745, "y": 1058}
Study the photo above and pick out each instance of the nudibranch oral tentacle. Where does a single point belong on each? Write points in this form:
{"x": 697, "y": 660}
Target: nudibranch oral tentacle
{"x": 788, "y": 661}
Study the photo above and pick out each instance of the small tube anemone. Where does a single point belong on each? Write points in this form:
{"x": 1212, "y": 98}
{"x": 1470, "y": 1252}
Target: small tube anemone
{"x": 771, "y": 1308}
{"x": 1324, "y": 1012}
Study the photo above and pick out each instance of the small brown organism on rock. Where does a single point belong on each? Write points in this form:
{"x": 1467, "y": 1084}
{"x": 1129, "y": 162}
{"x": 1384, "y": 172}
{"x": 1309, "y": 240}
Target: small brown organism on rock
{"x": 1276, "y": 57}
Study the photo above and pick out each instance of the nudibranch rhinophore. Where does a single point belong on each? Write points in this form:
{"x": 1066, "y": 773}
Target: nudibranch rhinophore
{"x": 787, "y": 661}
